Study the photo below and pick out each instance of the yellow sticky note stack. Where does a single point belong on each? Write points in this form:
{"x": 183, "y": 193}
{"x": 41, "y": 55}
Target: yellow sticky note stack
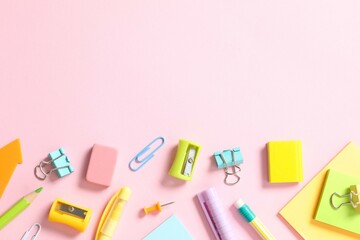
{"x": 285, "y": 161}
{"x": 301, "y": 210}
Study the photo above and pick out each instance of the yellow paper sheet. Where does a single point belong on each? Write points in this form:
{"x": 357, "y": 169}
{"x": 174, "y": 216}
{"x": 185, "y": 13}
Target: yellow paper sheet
{"x": 300, "y": 211}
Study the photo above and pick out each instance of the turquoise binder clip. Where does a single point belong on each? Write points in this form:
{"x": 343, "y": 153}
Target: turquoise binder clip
{"x": 229, "y": 160}
{"x": 60, "y": 163}
{"x": 231, "y": 157}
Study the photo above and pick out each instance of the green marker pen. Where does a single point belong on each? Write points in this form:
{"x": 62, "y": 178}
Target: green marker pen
{"x": 18, "y": 207}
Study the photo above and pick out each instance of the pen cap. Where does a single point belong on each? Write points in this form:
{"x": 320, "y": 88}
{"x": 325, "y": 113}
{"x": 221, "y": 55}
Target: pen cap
{"x": 125, "y": 193}
{"x": 244, "y": 210}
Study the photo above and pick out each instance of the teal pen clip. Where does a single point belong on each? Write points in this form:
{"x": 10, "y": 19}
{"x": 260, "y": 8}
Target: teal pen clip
{"x": 142, "y": 162}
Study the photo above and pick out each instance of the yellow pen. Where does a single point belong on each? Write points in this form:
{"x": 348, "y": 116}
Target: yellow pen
{"x": 251, "y": 218}
{"x": 109, "y": 226}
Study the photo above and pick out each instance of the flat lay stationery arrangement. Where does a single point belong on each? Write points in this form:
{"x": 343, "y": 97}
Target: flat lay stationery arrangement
{"x": 337, "y": 205}
{"x": 179, "y": 120}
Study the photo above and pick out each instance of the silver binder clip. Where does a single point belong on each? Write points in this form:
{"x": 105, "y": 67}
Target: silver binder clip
{"x": 27, "y": 233}
{"x": 353, "y": 197}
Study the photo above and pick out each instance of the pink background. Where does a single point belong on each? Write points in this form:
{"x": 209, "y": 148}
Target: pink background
{"x": 220, "y": 73}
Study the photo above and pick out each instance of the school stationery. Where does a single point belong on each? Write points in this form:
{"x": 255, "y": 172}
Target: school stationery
{"x": 139, "y": 160}
{"x": 112, "y": 213}
{"x": 352, "y": 196}
{"x": 156, "y": 207}
{"x": 300, "y": 211}
{"x": 254, "y": 221}
{"x": 101, "y": 165}
{"x": 185, "y": 160}
{"x": 344, "y": 217}
{"x": 285, "y": 161}
{"x": 216, "y": 215}
{"x": 72, "y": 215}
{"x": 10, "y": 157}
{"x": 27, "y": 236}
{"x": 230, "y": 160}
{"x": 172, "y": 229}
{"x": 18, "y": 207}
{"x": 59, "y": 163}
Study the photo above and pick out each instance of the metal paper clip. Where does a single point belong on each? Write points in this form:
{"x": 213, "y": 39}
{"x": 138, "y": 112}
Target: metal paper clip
{"x": 59, "y": 162}
{"x": 230, "y": 161}
{"x": 353, "y": 198}
{"x": 26, "y": 234}
{"x": 142, "y": 162}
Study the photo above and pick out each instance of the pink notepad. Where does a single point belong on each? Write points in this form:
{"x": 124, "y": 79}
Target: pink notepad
{"x": 101, "y": 165}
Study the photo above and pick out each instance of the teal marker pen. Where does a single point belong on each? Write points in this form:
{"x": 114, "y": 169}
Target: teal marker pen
{"x": 251, "y": 218}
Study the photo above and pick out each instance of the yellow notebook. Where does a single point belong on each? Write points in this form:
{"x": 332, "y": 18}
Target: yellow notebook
{"x": 300, "y": 211}
{"x": 285, "y": 161}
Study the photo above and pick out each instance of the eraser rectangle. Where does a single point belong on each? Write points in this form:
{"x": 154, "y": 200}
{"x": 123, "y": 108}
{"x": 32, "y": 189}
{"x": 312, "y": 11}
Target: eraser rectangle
{"x": 101, "y": 165}
{"x": 285, "y": 161}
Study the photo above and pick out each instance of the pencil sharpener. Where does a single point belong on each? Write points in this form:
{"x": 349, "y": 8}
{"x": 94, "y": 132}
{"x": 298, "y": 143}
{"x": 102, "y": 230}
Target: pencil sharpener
{"x": 70, "y": 214}
{"x": 185, "y": 160}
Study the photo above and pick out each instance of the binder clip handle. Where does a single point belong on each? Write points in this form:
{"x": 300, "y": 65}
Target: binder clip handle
{"x": 230, "y": 183}
{"x": 43, "y": 172}
{"x": 339, "y": 196}
{"x": 350, "y": 196}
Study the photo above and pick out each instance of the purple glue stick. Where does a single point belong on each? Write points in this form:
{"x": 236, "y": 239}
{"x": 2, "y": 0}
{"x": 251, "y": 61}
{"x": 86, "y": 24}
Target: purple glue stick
{"x": 216, "y": 215}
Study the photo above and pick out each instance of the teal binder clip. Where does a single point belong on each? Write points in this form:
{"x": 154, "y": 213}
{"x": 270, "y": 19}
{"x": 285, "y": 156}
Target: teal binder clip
{"x": 229, "y": 160}
{"x": 139, "y": 163}
{"x": 60, "y": 163}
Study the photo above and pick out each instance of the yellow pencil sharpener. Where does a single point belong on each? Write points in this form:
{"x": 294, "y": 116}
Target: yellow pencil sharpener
{"x": 70, "y": 214}
{"x": 185, "y": 160}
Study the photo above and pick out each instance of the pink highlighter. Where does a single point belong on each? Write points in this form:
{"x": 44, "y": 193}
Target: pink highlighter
{"x": 101, "y": 165}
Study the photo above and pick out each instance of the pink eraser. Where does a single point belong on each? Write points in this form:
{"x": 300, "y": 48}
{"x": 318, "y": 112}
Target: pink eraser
{"x": 101, "y": 165}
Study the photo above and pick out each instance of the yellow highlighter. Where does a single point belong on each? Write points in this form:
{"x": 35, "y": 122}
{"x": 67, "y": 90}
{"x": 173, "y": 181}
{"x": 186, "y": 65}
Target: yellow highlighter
{"x": 112, "y": 214}
{"x": 254, "y": 221}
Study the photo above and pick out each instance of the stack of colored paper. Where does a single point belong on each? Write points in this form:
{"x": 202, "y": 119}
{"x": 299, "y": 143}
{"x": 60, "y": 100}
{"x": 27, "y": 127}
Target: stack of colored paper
{"x": 300, "y": 212}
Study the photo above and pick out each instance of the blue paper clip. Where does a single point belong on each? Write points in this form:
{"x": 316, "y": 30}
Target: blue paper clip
{"x": 143, "y": 161}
